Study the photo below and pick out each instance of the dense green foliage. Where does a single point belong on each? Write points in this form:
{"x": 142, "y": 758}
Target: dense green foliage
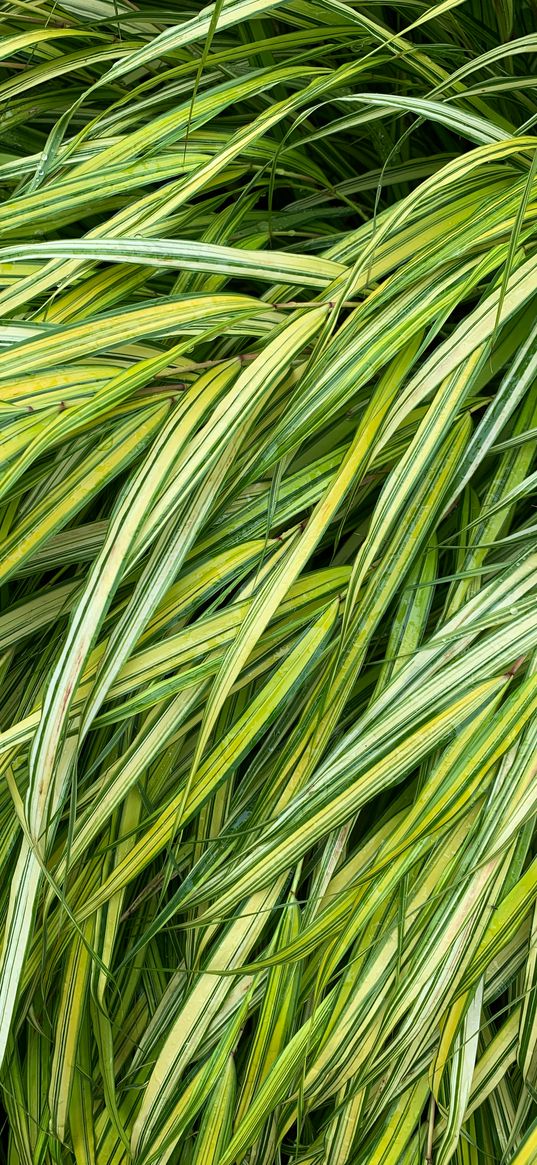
{"x": 268, "y": 606}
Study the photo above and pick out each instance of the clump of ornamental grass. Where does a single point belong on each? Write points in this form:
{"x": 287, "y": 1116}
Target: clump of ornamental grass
{"x": 268, "y": 610}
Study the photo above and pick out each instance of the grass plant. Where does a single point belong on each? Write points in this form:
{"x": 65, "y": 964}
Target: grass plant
{"x": 268, "y": 568}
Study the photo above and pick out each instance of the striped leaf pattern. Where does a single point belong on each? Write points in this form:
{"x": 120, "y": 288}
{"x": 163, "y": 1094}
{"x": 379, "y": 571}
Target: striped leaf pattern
{"x": 268, "y": 583}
